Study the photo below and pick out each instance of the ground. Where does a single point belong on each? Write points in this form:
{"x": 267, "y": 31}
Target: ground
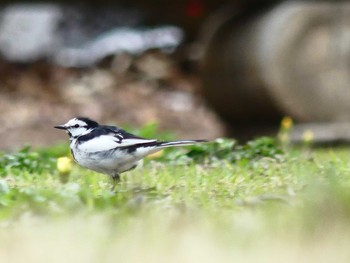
{"x": 255, "y": 203}
{"x": 131, "y": 91}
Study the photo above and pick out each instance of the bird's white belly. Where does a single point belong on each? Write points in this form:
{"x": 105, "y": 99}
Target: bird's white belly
{"x": 106, "y": 162}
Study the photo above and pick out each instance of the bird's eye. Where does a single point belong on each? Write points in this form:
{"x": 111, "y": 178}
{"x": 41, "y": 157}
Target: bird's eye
{"x": 76, "y": 126}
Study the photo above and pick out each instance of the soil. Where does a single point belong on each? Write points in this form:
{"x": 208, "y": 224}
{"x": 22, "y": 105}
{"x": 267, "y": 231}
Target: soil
{"x": 123, "y": 90}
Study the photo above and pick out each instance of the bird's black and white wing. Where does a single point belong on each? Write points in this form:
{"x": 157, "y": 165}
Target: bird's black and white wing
{"x": 109, "y": 138}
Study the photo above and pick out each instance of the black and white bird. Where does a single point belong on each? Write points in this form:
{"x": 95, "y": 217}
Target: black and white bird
{"x": 108, "y": 149}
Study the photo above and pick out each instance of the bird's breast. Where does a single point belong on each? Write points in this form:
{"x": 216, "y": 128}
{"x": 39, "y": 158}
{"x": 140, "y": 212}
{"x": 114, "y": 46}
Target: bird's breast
{"x": 107, "y": 162}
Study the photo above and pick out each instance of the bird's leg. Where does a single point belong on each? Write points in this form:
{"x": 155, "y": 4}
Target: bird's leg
{"x": 115, "y": 180}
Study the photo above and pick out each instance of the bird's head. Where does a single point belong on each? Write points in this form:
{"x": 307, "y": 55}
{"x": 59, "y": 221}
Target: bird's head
{"x": 77, "y": 126}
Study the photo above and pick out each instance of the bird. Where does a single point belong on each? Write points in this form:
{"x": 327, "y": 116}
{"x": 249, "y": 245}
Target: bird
{"x": 109, "y": 149}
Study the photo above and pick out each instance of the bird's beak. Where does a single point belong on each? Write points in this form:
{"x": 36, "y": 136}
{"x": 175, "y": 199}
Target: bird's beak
{"x": 61, "y": 127}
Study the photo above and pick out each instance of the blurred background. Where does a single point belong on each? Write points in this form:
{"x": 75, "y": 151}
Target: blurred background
{"x": 197, "y": 68}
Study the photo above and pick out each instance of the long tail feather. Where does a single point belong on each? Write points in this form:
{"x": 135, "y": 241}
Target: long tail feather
{"x": 180, "y": 143}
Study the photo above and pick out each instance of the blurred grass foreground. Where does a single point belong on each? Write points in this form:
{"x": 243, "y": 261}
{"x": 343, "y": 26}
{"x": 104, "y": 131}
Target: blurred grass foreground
{"x": 220, "y": 202}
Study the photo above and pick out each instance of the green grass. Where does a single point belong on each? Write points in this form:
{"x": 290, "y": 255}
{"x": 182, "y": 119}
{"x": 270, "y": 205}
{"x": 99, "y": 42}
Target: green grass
{"x": 220, "y": 202}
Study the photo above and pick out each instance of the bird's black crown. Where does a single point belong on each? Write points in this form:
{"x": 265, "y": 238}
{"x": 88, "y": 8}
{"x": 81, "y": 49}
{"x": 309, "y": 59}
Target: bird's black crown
{"x": 90, "y": 123}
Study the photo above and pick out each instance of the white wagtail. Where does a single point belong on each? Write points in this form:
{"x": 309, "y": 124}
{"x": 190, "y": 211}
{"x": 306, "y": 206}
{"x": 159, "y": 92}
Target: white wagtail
{"x": 109, "y": 149}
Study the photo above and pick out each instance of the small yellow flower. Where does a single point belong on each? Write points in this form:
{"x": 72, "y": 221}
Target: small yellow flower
{"x": 286, "y": 123}
{"x": 308, "y": 136}
{"x": 64, "y": 165}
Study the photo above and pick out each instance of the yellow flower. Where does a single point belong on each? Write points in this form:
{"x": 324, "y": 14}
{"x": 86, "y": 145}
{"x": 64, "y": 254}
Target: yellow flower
{"x": 308, "y": 136}
{"x": 286, "y": 123}
{"x": 64, "y": 165}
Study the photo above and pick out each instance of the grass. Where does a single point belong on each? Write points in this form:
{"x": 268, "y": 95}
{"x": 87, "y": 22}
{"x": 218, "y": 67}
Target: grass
{"x": 256, "y": 203}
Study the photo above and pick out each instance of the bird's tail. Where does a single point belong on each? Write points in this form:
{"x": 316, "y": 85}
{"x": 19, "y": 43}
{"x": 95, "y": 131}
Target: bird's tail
{"x": 179, "y": 143}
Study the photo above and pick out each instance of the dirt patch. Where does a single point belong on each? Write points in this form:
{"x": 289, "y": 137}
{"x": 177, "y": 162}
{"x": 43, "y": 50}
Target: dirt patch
{"x": 129, "y": 90}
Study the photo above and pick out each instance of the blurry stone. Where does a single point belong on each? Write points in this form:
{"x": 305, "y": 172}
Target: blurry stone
{"x": 121, "y": 63}
{"x": 80, "y": 89}
{"x": 121, "y": 40}
{"x": 179, "y": 101}
{"x": 73, "y": 36}
{"x": 27, "y": 31}
{"x": 154, "y": 65}
{"x": 292, "y": 60}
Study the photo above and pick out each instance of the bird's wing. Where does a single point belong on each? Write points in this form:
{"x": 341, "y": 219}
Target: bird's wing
{"x": 128, "y": 139}
{"x": 106, "y": 139}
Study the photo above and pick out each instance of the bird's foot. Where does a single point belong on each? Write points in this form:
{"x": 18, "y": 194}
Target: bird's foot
{"x": 115, "y": 180}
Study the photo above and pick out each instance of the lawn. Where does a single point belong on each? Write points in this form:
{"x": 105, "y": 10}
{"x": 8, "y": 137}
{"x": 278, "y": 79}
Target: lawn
{"x": 220, "y": 202}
